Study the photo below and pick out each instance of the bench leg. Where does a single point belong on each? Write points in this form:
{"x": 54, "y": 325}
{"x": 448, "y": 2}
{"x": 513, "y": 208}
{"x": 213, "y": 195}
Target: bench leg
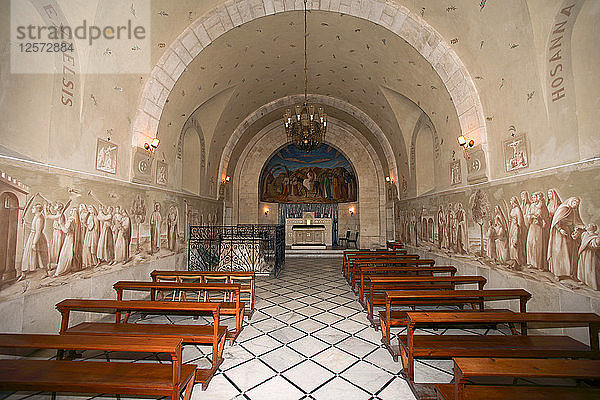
{"x": 187, "y": 393}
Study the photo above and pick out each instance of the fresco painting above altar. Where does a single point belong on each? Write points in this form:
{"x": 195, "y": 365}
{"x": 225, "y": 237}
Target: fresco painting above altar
{"x": 321, "y": 176}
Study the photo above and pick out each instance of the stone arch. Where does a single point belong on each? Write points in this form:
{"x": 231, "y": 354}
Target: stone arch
{"x": 398, "y": 19}
{"x": 320, "y": 99}
{"x": 423, "y": 125}
{"x": 370, "y": 174}
{"x": 191, "y": 153}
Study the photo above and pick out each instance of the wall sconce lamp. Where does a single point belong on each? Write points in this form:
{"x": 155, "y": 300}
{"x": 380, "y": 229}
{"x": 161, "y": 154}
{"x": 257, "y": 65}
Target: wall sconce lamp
{"x": 351, "y": 211}
{"x": 389, "y": 180}
{"x": 462, "y": 141}
{"x": 152, "y": 145}
{"x": 226, "y": 179}
{"x": 266, "y": 211}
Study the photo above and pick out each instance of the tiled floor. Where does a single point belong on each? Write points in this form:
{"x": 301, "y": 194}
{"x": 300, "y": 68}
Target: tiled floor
{"x": 308, "y": 339}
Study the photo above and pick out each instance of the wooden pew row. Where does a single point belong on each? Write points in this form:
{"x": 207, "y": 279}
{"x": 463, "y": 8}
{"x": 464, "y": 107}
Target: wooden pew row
{"x": 97, "y": 377}
{"x": 351, "y": 255}
{"x": 512, "y": 346}
{"x": 393, "y": 245}
{"x": 214, "y": 335}
{"x": 422, "y": 270}
{"x": 400, "y": 261}
{"x": 246, "y": 280}
{"x": 201, "y": 291}
{"x": 466, "y": 369}
{"x": 412, "y": 298}
{"x": 377, "y": 286}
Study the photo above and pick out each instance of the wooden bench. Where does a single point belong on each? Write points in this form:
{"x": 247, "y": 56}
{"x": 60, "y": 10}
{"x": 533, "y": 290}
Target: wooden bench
{"x": 246, "y": 280}
{"x": 465, "y": 369}
{"x": 190, "y": 334}
{"x": 475, "y": 298}
{"x": 446, "y": 392}
{"x": 518, "y": 346}
{"x": 376, "y": 286}
{"x": 229, "y": 300}
{"x": 350, "y": 255}
{"x": 98, "y": 377}
{"x": 382, "y": 270}
{"x": 398, "y": 261}
{"x": 393, "y": 245}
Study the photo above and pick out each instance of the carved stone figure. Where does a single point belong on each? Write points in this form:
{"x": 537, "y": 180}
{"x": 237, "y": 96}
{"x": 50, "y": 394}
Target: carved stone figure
{"x": 562, "y": 245}
{"x": 491, "y": 241}
{"x": 35, "y": 252}
{"x": 462, "y": 234}
{"x": 106, "y": 251}
{"x": 537, "y": 217}
{"x": 516, "y": 235}
{"x": 553, "y": 202}
{"x": 66, "y": 258}
{"x": 155, "y": 221}
{"x": 173, "y": 228}
{"x": 501, "y": 234}
{"x": 440, "y": 227}
{"x": 588, "y": 268}
{"x": 57, "y": 215}
{"x": 449, "y": 222}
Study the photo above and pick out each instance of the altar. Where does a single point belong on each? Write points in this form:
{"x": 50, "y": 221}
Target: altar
{"x": 308, "y": 232}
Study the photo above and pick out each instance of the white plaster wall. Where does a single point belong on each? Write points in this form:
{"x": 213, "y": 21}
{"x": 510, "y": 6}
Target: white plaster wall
{"x": 35, "y": 311}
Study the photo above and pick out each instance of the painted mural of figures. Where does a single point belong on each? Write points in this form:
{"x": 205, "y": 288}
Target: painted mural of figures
{"x": 35, "y": 252}
{"x": 126, "y": 222}
{"x": 173, "y": 228}
{"x": 536, "y": 245}
{"x": 57, "y": 215}
{"x": 90, "y": 240}
{"x": 491, "y": 241}
{"x": 449, "y": 222}
{"x": 588, "y": 267}
{"x": 562, "y": 245}
{"x": 106, "y": 251}
{"x": 553, "y": 202}
{"x": 440, "y": 227}
{"x": 516, "y": 235}
{"x": 501, "y": 234}
{"x": 155, "y": 221}
{"x": 525, "y": 204}
{"x": 66, "y": 258}
{"x": 77, "y": 262}
{"x": 119, "y": 236}
{"x": 462, "y": 233}
{"x": 413, "y": 227}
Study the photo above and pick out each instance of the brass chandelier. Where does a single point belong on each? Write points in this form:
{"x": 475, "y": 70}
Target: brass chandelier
{"x": 305, "y": 128}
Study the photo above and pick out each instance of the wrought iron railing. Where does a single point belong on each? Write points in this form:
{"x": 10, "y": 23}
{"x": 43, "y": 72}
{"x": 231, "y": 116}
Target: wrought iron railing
{"x": 258, "y": 248}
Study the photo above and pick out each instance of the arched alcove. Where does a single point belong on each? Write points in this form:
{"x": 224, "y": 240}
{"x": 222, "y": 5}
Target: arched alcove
{"x": 191, "y": 156}
{"x": 424, "y": 165}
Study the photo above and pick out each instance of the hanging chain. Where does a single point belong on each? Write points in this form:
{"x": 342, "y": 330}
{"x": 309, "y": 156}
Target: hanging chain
{"x": 305, "y": 58}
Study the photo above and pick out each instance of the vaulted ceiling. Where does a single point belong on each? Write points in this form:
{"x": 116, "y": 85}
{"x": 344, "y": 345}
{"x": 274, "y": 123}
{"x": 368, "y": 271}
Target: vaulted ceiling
{"x": 350, "y": 59}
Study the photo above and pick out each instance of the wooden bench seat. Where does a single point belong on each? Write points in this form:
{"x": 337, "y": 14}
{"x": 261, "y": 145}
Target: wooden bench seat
{"x": 446, "y": 392}
{"x": 349, "y": 255}
{"x": 98, "y": 377}
{"x": 214, "y": 335}
{"x": 466, "y": 369}
{"x": 376, "y": 286}
{"x": 246, "y": 280}
{"x": 200, "y": 292}
{"x": 518, "y": 346}
{"x": 397, "y": 261}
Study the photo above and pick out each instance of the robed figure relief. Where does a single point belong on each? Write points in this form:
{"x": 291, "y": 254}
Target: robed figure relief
{"x": 67, "y": 253}
{"x": 516, "y": 233}
{"x": 173, "y": 228}
{"x": 537, "y": 234}
{"x": 57, "y": 216}
{"x": 35, "y": 252}
{"x": 501, "y": 235}
{"x": 155, "y": 221}
{"x": 588, "y": 264}
{"x": 106, "y": 250}
{"x": 562, "y": 245}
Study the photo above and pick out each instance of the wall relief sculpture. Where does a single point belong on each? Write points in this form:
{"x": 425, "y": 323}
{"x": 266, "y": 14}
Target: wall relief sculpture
{"x": 321, "y": 176}
{"x": 535, "y": 232}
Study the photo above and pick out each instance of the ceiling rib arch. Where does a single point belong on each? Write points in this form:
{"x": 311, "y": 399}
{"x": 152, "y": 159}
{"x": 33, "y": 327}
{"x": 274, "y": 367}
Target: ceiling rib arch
{"x": 399, "y": 20}
{"x": 319, "y": 99}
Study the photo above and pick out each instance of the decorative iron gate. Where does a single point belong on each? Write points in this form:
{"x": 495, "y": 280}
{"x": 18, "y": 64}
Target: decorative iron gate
{"x": 258, "y": 248}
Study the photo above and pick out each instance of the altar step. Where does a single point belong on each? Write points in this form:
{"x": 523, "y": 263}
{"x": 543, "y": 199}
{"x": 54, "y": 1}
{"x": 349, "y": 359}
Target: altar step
{"x": 314, "y": 253}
